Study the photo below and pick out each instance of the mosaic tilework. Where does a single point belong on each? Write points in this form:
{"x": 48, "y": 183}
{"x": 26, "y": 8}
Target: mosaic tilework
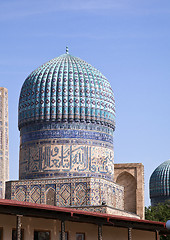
{"x": 60, "y": 125}
{"x": 73, "y": 192}
{"x": 80, "y": 193}
{"x": 20, "y": 193}
{"x": 35, "y": 194}
{"x": 67, "y": 89}
{"x": 43, "y": 160}
{"x": 61, "y": 134}
{"x": 64, "y": 193}
{"x": 50, "y": 196}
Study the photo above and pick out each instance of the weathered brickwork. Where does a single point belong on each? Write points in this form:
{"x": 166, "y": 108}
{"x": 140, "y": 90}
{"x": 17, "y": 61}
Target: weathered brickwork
{"x": 68, "y": 192}
{"x": 4, "y": 140}
{"x": 131, "y": 176}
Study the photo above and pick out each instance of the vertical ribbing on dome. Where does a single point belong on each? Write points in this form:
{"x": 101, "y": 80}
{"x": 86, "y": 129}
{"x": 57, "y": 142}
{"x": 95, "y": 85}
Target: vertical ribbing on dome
{"x": 92, "y": 90}
{"x": 108, "y": 102}
{"x": 161, "y": 177}
{"x": 76, "y": 95}
{"x": 94, "y": 97}
{"x": 29, "y": 99}
{"x": 70, "y": 91}
{"x": 105, "y": 101}
{"x": 41, "y": 82}
{"x": 82, "y": 97}
{"x": 97, "y": 111}
{"x": 101, "y": 99}
{"x": 59, "y": 93}
{"x": 65, "y": 91}
{"x": 21, "y": 105}
{"x": 48, "y": 93}
{"x": 33, "y": 100}
{"x": 37, "y": 102}
{"x": 56, "y": 90}
{"x": 112, "y": 107}
{"x": 53, "y": 94}
{"x": 87, "y": 98}
{"x": 98, "y": 97}
{"x": 168, "y": 180}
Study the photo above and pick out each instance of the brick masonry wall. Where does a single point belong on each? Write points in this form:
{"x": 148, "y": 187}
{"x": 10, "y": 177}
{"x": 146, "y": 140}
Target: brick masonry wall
{"x": 4, "y": 140}
{"x": 131, "y": 176}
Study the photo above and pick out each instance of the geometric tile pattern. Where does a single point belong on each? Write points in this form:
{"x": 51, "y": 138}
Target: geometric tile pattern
{"x": 64, "y": 195}
{"x": 80, "y": 193}
{"x": 20, "y": 194}
{"x": 68, "y": 192}
{"x": 35, "y": 194}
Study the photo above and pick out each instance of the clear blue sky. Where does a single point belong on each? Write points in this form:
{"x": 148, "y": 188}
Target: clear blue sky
{"x": 127, "y": 40}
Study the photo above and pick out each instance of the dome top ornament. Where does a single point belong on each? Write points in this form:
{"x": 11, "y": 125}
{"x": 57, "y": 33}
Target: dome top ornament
{"x": 67, "y": 50}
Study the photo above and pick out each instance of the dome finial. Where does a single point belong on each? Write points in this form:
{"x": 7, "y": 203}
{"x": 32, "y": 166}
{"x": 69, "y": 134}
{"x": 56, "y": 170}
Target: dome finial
{"x": 67, "y": 52}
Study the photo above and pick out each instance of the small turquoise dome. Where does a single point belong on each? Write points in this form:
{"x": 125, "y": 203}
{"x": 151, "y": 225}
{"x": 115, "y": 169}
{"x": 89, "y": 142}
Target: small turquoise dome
{"x": 160, "y": 183}
{"x": 66, "y": 89}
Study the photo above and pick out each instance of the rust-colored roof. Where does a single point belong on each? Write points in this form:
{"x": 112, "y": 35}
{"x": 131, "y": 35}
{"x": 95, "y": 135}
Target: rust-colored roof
{"x": 108, "y": 217}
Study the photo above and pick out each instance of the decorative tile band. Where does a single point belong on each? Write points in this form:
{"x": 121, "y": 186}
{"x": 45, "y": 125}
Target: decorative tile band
{"x": 53, "y": 134}
{"x": 60, "y": 125}
{"x": 70, "y": 192}
{"x": 72, "y": 141}
{"x": 48, "y": 161}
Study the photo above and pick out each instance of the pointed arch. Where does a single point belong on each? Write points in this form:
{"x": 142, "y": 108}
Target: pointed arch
{"x": 50, "y": 197}
{"x": 129, "y": 183}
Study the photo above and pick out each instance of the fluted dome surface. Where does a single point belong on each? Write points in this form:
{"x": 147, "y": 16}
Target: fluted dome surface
{"x": 66, "y": 89}
{"x": 160, "y": 181}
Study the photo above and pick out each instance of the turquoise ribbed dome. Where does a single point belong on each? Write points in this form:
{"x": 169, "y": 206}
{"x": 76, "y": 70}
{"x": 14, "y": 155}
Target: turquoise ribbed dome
{"x": 160, "y": 183}
{"x": 66, "y": 89}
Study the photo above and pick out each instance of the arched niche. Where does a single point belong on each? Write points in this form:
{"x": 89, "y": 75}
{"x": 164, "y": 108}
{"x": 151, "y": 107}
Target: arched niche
{"x": 129, "y": 183}
{"x": 50, "y": 197}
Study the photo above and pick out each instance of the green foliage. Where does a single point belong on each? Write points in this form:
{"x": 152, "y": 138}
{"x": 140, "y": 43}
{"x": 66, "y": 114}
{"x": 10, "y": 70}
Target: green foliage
{"x": 160, "y": 213}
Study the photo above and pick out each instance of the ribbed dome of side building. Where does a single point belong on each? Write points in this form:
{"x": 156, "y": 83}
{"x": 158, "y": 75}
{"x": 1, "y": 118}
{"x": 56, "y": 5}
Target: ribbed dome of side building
{"x": 160, "y": 184}
{"x": 66, "y": 121}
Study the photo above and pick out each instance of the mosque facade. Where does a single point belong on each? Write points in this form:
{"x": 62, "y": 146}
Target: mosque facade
{"x": 66, "y": 122}
{"x": 160, "y": 184}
